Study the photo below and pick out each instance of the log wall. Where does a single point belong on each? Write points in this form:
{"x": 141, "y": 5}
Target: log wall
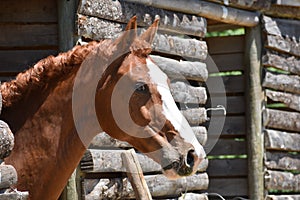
{"x": 281, "y": 118}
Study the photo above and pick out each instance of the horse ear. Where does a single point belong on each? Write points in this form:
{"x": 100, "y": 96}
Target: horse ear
{"x": 129, "y": 35}
{"x": 149, "y": 34}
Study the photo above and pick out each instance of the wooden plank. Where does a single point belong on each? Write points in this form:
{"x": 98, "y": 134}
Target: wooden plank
{"x": 226, "y": 45}
{"x": 231, "y": 187}
{"x": 281, "y": 61}
{"x": 227, "y": 168}
{"x": 295, "y": 3}
{"x": 282, "y": 161}
{"x": 235, "y": 104}
{"x": 282, "y": 82}
{"x": 229, "y": 147}
{"x": 283, "y": 120}
{"x": 246, "y": 4}
{"x": 14, "y": 195}
{"x": 66, "y": 28}
{"x": 227, "y": 62}
{"x": 19, "y": 60}
{"x": 282, "y": 197}
{"x": 183, "y": 92}
{"x": 277, "y": 180}
{"x": 110, "y": 161}
{"x": 283, "y": 11}
{"x": 97, "y": 29}
{"x": 234, "y": 126}
{"x": 195, "y": 116}
{"x": 207, "y": 10}
{"x": 135, "y": 175}
{"x": 122, "y": 11}
{"x": 28, "y": 35}
{"x": 290, "y": 100}
{"x": 159, "y": 186}
{"x": 233, "y": 84}
{"x": 103, "y": 140}
{"x": 281, "y": 27}
{"x": 7, "y": 140}
{"x": 193, "y": 196}
{"x": 31, "y": 11}
{"x": 287, "y": 44}
{"x": 278, "y": 140}
{"x": 196, "y": 71}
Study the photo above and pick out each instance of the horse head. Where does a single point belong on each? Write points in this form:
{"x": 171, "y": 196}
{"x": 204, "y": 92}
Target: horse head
{"x": 135, "y": 95}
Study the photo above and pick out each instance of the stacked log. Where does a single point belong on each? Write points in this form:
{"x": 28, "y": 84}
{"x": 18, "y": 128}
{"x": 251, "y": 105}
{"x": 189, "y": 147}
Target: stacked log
{"x": 8, "y": 174}
{"x": 282, "y": 122}
{"x": 173, "y": 53}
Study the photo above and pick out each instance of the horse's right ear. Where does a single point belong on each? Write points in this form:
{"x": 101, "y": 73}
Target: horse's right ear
{"x": 128, "y": 36}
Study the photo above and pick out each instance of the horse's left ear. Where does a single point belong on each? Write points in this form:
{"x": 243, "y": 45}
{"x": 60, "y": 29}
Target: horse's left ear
{"x": 149, "y": 34}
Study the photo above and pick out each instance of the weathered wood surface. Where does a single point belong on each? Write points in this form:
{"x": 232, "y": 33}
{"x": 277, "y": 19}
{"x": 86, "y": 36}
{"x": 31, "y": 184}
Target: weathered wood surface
{"x": 8, "y": 176}
{"x": 235, "y": 104}
{"x": 14, "y": 61}
{"x": 290, "y": 100}
{"x": 226, "y": 44}
{"x": 207, "y": 10}
{"x": 280, "y": 61}
{"x": 234, "y": 126}
{"x": 295, "y": 3}
{"x": 283, "y": 120}
{"x": 103, "y": 140}
{"x": 97, "y": 29}
{"x": 229, "y": 147}
{"x": 159, "y": 186}
{"x": 281, "y": 27}
{"x": 278, "y": 140}
{"x": 193, "y": 196}
{"x": 135, "y": 175}
{"x": 227, "y": 62}
{"x": 16, "y": 195}
{"x": 102, "y": 161}
{"x": 6, "y": 140}
{"x": 233, "y": 84}
{"x": 283, "y": 11}
{"x": 28, "y": 11}
{"x": 282, "y": 161}
{"x": 196, "y": 71}
{"x": 282, "y": 197}
{"x": 282, "y": 82}
{"x": 195, "y": 116}
{"x": 183, "y": 92}
{"x": 122, "y": 11}
{"x": 287, "y": 44}
{"x": 277, "y": 180}
{"x": 246, "y": 4}
{"x": 227, "y": 167}
{"x": 28, "y": 35}
{"x": 227, "y": 186}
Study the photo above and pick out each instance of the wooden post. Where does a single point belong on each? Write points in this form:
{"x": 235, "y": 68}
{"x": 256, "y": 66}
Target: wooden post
{"x": 135, "y": 175}
{"x": 254, "y": 112}
{"x": 66, "y": 40}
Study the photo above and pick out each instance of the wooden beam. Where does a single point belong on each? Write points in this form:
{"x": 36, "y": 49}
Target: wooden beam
{"x": 193, "y": 196}
{"x": 135, "y": 175}
{"x": 122, "y": 11}
{"x": 110, "y": 161}
{"x": 66, "y": 24}
{"x": 287, "y": 44}
{"x": 246, "y": 4}
{"x": 14, "y": 195}
{"x": 290, "y": 100}
{"x": 159, "y": 186}
{"x": 295, "y": 3}
{"x": 183, "y": 92}
{"x": 196, "y": 71}
{"x": 281, "y": 61}
{"x": 8, "y": 176}
{"x": 282, "y": 161}
{"x": 287, "y": 180}
{"x": 282, "y": 82}
{"x": 195, "y": 116}
{"x": 283, "y": 120}
{"x": 254, "y": 99}
{"x": 279, "y": 140}
{"x": 7, "y": 140}
{"x": 282, "y": 197}
{"x": 283, "y": 11}
{"x": 207, "y": 10}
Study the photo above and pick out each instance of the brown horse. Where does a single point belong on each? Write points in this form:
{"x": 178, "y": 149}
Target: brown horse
{"x": 131, "y": 102}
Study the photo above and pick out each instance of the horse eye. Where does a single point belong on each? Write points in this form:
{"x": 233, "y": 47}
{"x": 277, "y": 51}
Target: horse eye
{"x": 141, "y": 87}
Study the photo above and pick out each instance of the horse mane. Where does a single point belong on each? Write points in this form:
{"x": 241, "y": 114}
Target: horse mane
{"x": 43, "y": 72}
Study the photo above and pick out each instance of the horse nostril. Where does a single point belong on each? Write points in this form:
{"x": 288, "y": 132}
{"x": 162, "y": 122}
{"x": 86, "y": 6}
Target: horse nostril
{"x": 190, "y": 158}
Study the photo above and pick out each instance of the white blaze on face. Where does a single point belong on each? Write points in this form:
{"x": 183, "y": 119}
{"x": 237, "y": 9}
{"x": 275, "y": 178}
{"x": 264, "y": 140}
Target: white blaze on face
{"x": 170, "y": 109}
